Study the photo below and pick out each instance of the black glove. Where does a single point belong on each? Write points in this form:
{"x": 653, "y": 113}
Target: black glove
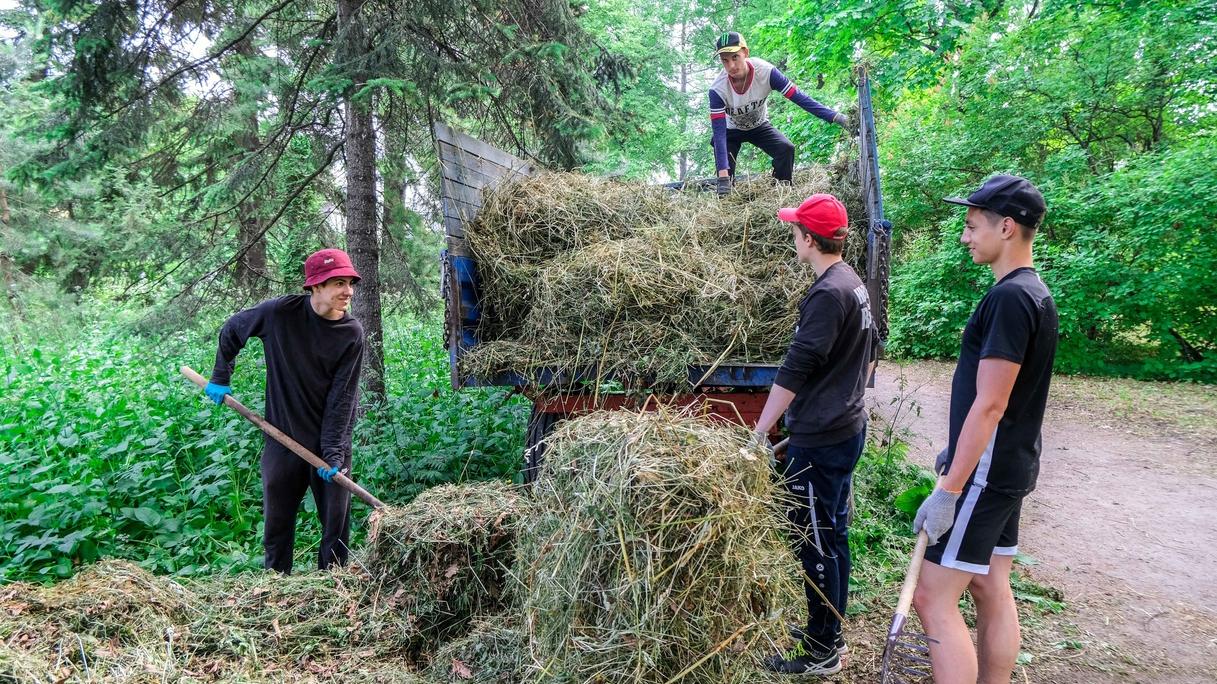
{"x": 724, "y": 186}
{"x": 940, "y": 463}
{"x": 849, "y": 123}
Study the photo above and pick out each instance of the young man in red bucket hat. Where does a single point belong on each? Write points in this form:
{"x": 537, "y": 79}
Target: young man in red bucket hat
{"x": 314, "y": 355}
{"x": 819, "y": 390}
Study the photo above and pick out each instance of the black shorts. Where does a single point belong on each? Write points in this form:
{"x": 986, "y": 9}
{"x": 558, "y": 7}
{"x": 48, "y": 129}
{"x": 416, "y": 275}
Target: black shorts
{"x": 986, "y": 525}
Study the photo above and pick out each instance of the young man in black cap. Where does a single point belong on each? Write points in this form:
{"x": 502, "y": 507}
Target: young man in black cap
{"x": 739, "y": 113}
{"x": 998, "y": 396}
{"x": 819, "y": 388}
{"x": 314, "y": 355}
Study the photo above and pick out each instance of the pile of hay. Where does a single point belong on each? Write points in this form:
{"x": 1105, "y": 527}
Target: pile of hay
{"x": 426, "y": 571}
{"x": 654, "y": 548}
{"x": 495, "y": 651}
{"x": 450, "y": 551}
{"x": 115, "y": 622}
{"x": 612, "y": 278}
{"x": 658, "y": 552}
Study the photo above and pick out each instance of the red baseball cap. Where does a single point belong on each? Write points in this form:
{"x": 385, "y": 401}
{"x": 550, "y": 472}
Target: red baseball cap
{"x": 322, "y": 265}
{"x": 821, "y": 213}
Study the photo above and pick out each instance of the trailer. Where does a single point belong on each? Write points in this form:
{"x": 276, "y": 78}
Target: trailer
{"x": 734, "y": 393}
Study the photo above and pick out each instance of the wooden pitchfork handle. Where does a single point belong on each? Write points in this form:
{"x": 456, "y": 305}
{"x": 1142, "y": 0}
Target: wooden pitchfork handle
{"x": 296, "y": 447}
{"x": 912, "y": 575}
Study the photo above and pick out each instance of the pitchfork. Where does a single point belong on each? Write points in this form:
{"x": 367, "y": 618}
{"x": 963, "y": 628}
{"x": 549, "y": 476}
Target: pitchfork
{"x": 907, "y": 654}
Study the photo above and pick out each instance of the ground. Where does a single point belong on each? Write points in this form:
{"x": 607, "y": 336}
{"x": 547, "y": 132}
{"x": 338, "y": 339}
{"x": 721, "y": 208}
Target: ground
{"x": 1122, "y": 521}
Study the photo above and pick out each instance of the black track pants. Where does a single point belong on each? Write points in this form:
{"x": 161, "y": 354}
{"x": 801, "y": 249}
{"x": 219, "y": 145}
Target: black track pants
{"x": 285, "y": 478}
{"x": 820, "y": 478}
{"x": 771, "y": 141}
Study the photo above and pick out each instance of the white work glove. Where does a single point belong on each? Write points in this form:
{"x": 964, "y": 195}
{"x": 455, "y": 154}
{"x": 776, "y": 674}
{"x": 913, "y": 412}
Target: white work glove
{"x": 760, "y": 440}
{"x": 936, "y": 515}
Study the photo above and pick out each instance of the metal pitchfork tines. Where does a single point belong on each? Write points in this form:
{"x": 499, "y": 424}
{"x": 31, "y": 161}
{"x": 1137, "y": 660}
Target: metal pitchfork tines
{"x": 906, "y": 655}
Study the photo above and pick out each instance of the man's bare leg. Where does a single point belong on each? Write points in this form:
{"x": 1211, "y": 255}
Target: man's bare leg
{"x": 937, "y": 604}
{"x": 997, "y": 630}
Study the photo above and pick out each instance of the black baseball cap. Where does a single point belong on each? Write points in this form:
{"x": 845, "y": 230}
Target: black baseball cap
{"x": 730, "y": 42}
{"x": 1011, "y": 196}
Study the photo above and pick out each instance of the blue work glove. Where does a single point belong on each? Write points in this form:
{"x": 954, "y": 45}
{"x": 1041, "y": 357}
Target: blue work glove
{"x": 936, "y": 515}
{"x": 216, "y": 392}
{"x": 328, "y": 474}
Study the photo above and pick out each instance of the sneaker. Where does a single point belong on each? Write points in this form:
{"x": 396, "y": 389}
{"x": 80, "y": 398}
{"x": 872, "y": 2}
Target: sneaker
{"x": 797, "y": 633}
{"x": 803, "y": 660}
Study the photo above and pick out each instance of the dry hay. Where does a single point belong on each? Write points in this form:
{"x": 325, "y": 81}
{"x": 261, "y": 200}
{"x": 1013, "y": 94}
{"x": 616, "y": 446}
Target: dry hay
{"x": 657, "y": 552}
{"x": 495, "y": 651}
{"x": 612, "y": 278}
{"x": 449, "y": 551}
{"x": 427, "y": 569}
{"x": 116, "y": 622}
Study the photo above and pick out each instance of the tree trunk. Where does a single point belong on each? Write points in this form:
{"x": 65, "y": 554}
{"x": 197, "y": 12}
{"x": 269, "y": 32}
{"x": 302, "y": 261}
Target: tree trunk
{"x": 5, "y": 217}
{"x": 363, "y": 242}
{"x": 683, "y": 171}
{"x": 251, "y": 275}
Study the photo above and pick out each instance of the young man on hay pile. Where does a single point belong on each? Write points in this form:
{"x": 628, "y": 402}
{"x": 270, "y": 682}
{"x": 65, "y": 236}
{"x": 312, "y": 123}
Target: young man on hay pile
{"x": 314, "y": 355}
{"x": 739, "y": 112}
{"x": 819, "y": 388}
{"x": 992, "y": 459}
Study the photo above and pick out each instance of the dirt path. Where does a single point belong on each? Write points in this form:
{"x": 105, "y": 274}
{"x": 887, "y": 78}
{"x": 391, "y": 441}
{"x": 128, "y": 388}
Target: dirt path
{"x": 1124, "y": 521}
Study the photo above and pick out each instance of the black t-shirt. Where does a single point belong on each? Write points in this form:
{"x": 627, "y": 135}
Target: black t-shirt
{"x": 1015, "y": 321}
{"x": 826, "y": 364}
{"x": 312, "y": 371}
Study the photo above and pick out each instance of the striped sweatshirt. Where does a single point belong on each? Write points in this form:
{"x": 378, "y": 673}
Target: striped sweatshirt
{"x": 747, "y": 109}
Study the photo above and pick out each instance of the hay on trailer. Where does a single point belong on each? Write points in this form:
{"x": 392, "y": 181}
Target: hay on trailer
{"x": 582, "y": 274}
{"x": 657, "y": 551}
{"x": 449, "y": 551}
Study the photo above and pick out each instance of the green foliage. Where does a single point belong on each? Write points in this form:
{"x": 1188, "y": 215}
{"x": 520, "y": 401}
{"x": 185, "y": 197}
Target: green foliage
{"x": 426, "y": 434}
{"x": 1131, "y": 281}
{"x": 105, "y": 450}
{"x": 1107, "y": 109}
{"x": 887, "y": 491}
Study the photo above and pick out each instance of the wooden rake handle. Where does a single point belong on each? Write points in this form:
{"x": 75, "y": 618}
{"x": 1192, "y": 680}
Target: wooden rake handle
{"x": 296, "y": 447}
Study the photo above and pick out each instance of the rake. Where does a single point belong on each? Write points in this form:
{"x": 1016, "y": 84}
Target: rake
{"x": 906, "y": 655}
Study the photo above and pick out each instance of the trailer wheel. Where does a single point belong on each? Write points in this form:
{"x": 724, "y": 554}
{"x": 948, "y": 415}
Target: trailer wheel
{"x": 540, "y": 423}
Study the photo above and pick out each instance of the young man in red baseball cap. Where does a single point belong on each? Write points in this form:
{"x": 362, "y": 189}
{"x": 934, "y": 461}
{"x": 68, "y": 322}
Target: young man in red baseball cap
{"x": 998, "y": 398}
{"x": 819, "y": 390}
{"x": 314, "y": 355}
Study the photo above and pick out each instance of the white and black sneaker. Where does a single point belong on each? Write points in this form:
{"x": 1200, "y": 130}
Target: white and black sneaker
{"x": 802, "y": 659}
{"x": 797, "y": 633}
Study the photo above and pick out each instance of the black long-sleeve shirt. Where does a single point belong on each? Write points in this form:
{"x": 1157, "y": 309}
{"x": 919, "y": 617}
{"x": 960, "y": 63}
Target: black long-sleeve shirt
{"x": 825, "y": 366}
{"x": 312, "y": 371}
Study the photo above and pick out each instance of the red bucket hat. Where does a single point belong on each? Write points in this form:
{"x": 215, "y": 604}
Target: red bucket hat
{"x": 822, "y": 214}
{"x": 325, "y": 264}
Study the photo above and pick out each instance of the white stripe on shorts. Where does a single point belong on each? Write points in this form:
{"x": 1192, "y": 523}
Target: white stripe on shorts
{"x": 950, "y": 555}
